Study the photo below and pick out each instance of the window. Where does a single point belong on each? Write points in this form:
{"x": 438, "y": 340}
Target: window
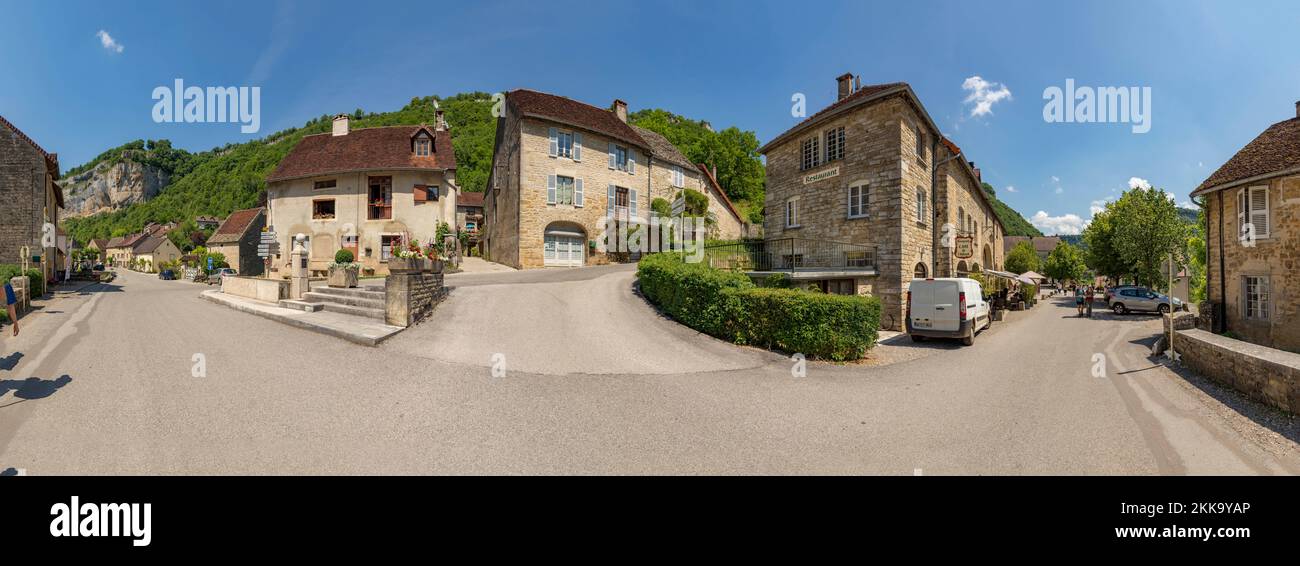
{"x": 563, "y": 190}
{"x": 1253, "y": 210}
{"x": 920, "y": 143}
{"x": 858, "y": 200}
{"x": 620, "y": 158}
{"x": 920, "y": 271}
{"x": 679, "y": 179}
{"x": 425, "y": 193}
{"x": 386, "y": 244}
{"x": 564, "y": 144}
{"x": 322, "y": 209}
{"x": 811, "y": 153}
{"x": 1255, "y": 299}
{"x": 792, "y": 213}
{"x": 380, "y": 203}
{"x": 835, "y": 144}
{"x": 423, "y": 146}
{"x": 962, "y": 270}
{"x": 920, "y": 206}
{"x": 961, "y": 221}
{"x": 326, "y": 184}
{"x": 856, "y": 259}
{"x": 840, "y": 287}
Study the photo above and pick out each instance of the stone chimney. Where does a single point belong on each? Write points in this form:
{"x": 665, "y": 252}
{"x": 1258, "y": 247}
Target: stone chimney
{"x": 341, "y": 125}
{"x": 976, "y": 170}
{"x": 440, "y": 123}
{"x": 1297, "y": 109}
{"x": 620, "y": 110}
{"x": 845, "y": 84}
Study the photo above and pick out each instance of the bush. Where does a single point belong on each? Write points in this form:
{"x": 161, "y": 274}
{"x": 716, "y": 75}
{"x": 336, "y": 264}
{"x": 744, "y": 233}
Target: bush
{"x": 343, "y": 256}
{"x": 37, "y": 281}
{"x": 690, "y": 292}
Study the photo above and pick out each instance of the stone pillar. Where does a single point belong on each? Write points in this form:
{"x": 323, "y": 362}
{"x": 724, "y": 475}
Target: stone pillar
{"x": 298, "y": 282}
{"x": 409, "y": 297}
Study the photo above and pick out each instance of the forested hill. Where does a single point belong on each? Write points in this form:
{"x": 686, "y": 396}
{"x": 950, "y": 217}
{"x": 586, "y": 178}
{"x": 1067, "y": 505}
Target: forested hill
{"x": 1015, "y": 224}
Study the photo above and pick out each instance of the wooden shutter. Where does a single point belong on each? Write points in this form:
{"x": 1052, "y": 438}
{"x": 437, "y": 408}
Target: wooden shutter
{"x": 577, "y": 146}
{"x": 550, "y": 189}
{"x": 1259, "y": 211}
{"x": 421, "y": 193}
{"x": 577, "y": 192}
{"x": 555, "y": 141}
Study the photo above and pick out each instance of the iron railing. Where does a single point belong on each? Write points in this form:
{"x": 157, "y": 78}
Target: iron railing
{"x": 791, "y": 255}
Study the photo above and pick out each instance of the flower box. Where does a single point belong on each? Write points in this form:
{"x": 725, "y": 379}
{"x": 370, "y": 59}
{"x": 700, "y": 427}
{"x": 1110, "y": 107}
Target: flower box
{"x": 404, "y": 265}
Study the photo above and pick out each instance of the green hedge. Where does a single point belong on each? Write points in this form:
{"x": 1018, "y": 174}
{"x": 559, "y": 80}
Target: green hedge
{"x": 728, "y": 305}
{"x": 8, "y": 272}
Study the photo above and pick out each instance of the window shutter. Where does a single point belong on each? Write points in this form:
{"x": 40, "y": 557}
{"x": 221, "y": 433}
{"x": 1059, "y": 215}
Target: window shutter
{"x": 1259, "y": 211}
{"x": 550, "y": 189}
{"x": 631, "y": 162}
{"x": 611, "y": 155}
{"x": 421, "y": 193}
{"x": 577, "y": 146}
{"x": 631, "y": 203}
{"x": 555, "y": 142}
{"x": 577, "y": 192}
{"x": 609, "y": 202}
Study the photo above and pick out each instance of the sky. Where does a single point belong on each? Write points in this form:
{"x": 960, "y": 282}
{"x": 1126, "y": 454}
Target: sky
{"x": 79, "y": 77}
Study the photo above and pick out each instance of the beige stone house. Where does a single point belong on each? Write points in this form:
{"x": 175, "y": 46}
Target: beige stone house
{"x": 561, "y": 167}
{"x": 154, "y": 250}
{"x": 363, "y": 190}
{"x": 30, "y": 198}
{"x": 1252, "y": 214}
{"x": 867, "y": 194}
{"x": 237, "y": 238}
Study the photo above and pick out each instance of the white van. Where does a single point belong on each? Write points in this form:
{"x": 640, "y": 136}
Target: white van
{"x": 947, "y": 308}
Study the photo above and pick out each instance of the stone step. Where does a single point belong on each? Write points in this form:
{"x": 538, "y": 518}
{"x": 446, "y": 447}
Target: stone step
{"x": 377, "y": 314}
{"x": 301, "y": 305}
{"x": 376, "y": 293}
{"x": 350, "y": 300}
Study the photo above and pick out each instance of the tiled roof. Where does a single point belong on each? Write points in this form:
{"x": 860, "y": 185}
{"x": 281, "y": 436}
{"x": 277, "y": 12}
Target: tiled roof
{"x": 235, "y": 226}
{"x": 713, "y": 181}
{"x": 151, "y": 243}
{"x": 115, "y": 242}
{"x": 531, "y": 103}
{"x": 99, "y": 243}
{"x": 867, "y": 91}
{"x": 1274, "y": 151}
{"x": 364, "y": 149}
{"x": 1042, "y": 244}
{"x": 663, "y": 149}
{"x": 469, "y": 198}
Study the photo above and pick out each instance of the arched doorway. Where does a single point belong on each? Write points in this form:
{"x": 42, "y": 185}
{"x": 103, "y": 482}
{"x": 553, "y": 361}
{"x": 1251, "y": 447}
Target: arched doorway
{"x": 920, "y": 271}
{"x": 988, "y": 255}
{"x": 564, "y": 245}
{"x": 962, "y": 270}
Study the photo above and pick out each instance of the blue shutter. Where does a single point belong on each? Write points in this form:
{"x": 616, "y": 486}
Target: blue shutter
{"x": 611, "y": 155}
{"x": 631, "y": 203}
{"x": 609, "y": 202}
{"x": 577, "y": 147}
{"x": 577, "y": 192}
{"x": 550, "y": 189}
{"x": 555, "y": 142}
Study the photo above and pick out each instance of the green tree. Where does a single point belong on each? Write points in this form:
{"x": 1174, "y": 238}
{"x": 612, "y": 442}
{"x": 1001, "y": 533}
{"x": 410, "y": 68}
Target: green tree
{"x": 1065, "y": 263}
{"x": 1147, "y": 230}
{"x": 1022, "y": 257}
{"x": 1099, "y": 242}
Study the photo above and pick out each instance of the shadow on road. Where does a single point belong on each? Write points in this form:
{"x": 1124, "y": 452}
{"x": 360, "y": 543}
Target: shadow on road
{"x": 8, "y": 363}
{"x": 8, "y": 472}
{"x": 32, "y": 388}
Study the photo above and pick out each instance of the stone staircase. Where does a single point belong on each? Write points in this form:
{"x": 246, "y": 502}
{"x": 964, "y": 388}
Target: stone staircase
{"x": 361, "y": 301}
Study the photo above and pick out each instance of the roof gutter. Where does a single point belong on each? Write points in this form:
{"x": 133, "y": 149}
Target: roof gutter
{"x": 1246, "y": 181}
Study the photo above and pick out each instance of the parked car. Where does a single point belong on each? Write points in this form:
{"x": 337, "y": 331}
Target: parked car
{"x": 215, "y": 276}
{"x": 1110, "y": 291}
{"x": 167, "y": 275}
{"x": 1141, "y": 299}
{"x": 947, "y": 308}
{"x": 98, "y": 267}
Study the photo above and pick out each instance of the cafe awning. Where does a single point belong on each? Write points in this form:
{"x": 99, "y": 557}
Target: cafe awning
{"x": 1033, "y": 275}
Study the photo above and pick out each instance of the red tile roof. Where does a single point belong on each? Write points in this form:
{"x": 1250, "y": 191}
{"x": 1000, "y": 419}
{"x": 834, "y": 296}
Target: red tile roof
{"x": 235, "y": 226}
{"x": 363, "y": 150}
{"x": 469, "y": 198}
{"x": 530, "y": 103}
{"x": 1275, "y": 151}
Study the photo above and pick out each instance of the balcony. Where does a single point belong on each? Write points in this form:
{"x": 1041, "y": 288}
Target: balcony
{"x": 800, "y": 258}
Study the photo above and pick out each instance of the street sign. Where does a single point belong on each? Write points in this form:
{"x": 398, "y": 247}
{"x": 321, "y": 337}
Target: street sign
{"x": 679, "y": 205}
{"x": 209, "y": 263}
{"x": 965, "y": 247}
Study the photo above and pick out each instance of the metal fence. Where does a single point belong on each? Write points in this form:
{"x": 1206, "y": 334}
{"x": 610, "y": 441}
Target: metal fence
{"x": 791, "y": 255}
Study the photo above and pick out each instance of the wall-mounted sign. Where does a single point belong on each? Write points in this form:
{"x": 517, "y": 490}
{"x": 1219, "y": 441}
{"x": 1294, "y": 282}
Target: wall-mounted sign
{"x": 821, "y": 175}
{"x": 965, "y": 247}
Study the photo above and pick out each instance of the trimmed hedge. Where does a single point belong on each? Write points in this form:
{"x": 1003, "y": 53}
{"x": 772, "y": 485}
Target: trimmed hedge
{"x": 728, "y": 305}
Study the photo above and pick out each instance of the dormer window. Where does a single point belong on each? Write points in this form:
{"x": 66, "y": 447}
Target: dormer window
{"x": 423, "y": 146}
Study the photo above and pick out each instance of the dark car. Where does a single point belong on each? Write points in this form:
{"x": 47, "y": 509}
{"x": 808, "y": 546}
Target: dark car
{"x": 167, "y": 275}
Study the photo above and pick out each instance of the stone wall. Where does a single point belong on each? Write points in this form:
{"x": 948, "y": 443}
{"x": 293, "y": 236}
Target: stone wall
{"x": 22, "y": 196}
{"x": 1263, "y": 374}
{"x": 269, "y": 290}
{"x": 409, "y": 298}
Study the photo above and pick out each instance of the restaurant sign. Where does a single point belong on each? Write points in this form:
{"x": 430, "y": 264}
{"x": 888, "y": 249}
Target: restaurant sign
{"x": 821, "y": 175}
{"x": 965, "y": 247}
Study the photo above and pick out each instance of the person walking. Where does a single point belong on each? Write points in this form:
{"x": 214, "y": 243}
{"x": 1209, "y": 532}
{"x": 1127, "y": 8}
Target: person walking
{"x": 1078, "y": 298}
{"x": 1088, "y": 297}
{"x": 10, "y": 301}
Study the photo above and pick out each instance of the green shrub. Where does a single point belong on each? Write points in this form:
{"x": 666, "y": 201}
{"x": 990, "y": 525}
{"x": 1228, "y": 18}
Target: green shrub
{"x": 690, "y": 292}
{"x": 37, "y": 281}
{"x": 343, "y": 256}
{"x": 777, "y": 281}
{"x": 835, "y": 327}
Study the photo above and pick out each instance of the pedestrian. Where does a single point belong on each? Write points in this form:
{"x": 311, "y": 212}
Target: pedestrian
{"x": 1078, "y": 298}
{"x": 1088, "y": 300}
{"x": 10, "y": 301}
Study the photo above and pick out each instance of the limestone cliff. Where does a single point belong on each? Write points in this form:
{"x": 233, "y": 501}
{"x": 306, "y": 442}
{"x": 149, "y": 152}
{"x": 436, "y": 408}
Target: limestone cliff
{"x": 109, "y": 186}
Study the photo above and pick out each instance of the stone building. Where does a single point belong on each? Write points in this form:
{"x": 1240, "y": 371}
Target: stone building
{"x": 363, "y": 190}
{"x": 1252, "y": 215}
{"x": 1043, "y": 245}
{"x": 560, "y": 167}
{"x": 30, "y": 198}
{"x": 237, "y": 239}
{"x": 867, "y": 194}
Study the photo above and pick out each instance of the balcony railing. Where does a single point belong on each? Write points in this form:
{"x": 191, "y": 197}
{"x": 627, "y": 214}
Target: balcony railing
{"x": 792, "y": 255}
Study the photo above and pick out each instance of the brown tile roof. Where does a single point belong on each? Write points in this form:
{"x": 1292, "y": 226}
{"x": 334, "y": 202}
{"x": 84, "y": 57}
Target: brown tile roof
{"x": 115, "y": 242}
{"x": 148, "y": 245}
{"x": 713, "y": 181}
{"x": 1274, "y": 151}
{"x": 235, "y": 226}
{"x": 531, "y": 103}
{"x": 361, "y": 150}
{"x": 469, "y": 198}
{"x": 130, "y": 240}
{"x": 1042, "y": 244}
{"x": 867, "y": 91}
{"x": 99, "y": 243}
{"x": 663, "y": 149}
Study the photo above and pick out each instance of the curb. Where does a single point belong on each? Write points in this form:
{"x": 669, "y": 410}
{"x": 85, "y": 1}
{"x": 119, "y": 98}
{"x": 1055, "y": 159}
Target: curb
{"x": 213, "y": 296}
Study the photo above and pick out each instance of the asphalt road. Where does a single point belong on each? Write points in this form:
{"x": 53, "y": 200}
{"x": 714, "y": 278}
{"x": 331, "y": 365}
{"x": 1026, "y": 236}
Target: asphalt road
{"x": 115, "y": 392}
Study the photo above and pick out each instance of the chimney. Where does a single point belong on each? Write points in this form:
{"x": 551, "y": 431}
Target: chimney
{"x": 845, "y": 83}
{"x": 440, "y": 122}
{"x": 620, "y": 109}
{"x": 341, "y": 125}
{"x": 975, "y": 169}
{"x": 1297, "y": 109}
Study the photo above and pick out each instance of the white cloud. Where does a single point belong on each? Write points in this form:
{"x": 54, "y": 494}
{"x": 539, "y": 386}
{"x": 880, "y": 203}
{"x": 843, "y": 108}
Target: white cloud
{"x": 1098, "y": 205}
{"x": 1138, "y": 183}
{"x": 1060, "y": 190}
{"x": 984, "y": 94}
{"x": 1200, "y": 164}
{"x": 1012, "y": 189}
{"x": 1056, "y": 179}
{"x": 1067, "y": 225}
{"x": 108, "y": 42}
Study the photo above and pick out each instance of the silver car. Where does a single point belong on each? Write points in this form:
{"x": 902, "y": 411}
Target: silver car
{"x": 1140, "y": 299}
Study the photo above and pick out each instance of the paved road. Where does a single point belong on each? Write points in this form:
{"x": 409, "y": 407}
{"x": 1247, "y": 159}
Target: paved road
{"x": 114, "y": 393}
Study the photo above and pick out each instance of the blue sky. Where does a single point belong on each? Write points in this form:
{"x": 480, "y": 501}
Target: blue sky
{"x": 1219, "y": 72}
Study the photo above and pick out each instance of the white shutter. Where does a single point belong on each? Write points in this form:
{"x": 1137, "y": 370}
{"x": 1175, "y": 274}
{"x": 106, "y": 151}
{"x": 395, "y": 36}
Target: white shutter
{"x": 609, "y": 202}
{"x": 1259, "y": 211}
{"x": 631, "y": 162}
{"x": 631, "y": 203}
{"x": 1241, "y": 210}
{"x": 611, "y": 155}
{"x": 555, "y": 142}
{"x": 577, "y": 192}
{"x": 550, "y": 189}
{"x": 577, "y": 146}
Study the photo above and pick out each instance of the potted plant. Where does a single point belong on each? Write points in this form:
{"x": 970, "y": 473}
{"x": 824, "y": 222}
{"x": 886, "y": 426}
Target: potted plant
{"x": 432, "y": 263}
{"x": 343, "y": 272}
{"x": 407, "y": 257}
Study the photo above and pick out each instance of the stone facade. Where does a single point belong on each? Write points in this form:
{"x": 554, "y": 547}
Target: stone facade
{"x": 1275, "y": 257}
{"x": 881, "y": 154}
{"x": 409, "y": 298}
{"x": 29, "y": 197}
{"x": 1264, "y": 374}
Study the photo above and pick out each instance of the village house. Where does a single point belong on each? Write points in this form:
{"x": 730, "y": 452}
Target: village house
{"x": 100, "y": 247}
{"x": 561, "y": 167}
{"x": 1252, "y": 216}
{"x": 1043, "y": 245}
{"x": 237, "y": 238}
{"x": 30, "y": 198}
{"x": 364, "y": 190}
{"x": 866, "y": 195}
{"x": 155, "y": 250}
{"x": 469, "y": 218}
